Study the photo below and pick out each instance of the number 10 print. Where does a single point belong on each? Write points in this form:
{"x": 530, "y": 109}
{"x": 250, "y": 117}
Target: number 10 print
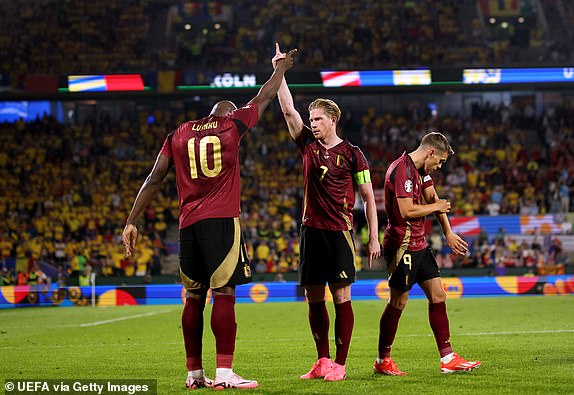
{"x": 203, "y": 162}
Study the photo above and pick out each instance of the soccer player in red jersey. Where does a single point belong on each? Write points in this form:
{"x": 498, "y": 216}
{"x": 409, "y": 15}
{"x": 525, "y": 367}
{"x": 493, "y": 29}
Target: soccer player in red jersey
{"x": 332, "y": 168}
{"x": 205, "y": 154}
{"x": 409, "y": 197}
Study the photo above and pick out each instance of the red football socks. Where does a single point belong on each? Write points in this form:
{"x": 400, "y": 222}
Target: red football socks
{"x": 439, "y": 324}
{"x": 344, "y": 322}
{"x": 388, "y": 329}
{"x": 224, "y": 328}
{"x": 319, "y": 323}
{"x": 192, "y": 326}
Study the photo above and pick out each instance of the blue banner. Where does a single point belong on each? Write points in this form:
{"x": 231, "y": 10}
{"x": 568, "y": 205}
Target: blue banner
{"x": 513, "y": 76}
{"x": 40, "y": 295}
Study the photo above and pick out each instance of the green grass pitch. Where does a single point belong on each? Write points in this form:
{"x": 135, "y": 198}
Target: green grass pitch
{"x": 526, "y": 345}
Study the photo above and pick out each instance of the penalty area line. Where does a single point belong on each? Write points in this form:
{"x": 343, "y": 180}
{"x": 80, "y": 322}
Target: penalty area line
{"x": 518, "y": 332}
{"x": 151, "y": 313}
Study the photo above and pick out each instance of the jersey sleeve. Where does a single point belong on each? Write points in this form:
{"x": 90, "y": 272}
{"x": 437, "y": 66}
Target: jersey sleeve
{"x": 166, "y": 147}
{"x": 427, "y": 181}
{"x": 248, "y": 115}
{"x": 360, "y": 167}
{"x": 403, "y": 182}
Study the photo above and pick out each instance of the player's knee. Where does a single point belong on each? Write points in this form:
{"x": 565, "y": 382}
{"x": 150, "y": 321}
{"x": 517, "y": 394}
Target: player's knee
{"x": 200, "y": 293}
{"x": 315, "y": 294}
{"x": 439, "y": 297}
{"x": 398, "y": 302}
{"x": 341, "y": 293}
{"x": 314, "y": 297}
{"x": 224, "y": 291}
{"x": 338, "y": 299}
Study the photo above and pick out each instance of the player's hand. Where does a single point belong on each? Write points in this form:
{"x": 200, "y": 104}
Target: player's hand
{"x": 287, "y": 62}
{"x": 443, "y": 205}
{"x": 130, "y": 238}
{"x": 278, "y": 56}
{"x": 374, "y": 250}
{"x": 456, "y": 243}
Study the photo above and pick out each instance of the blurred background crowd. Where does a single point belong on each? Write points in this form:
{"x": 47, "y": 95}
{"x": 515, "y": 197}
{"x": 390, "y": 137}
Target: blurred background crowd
{"x": 203, "y": 37}
{"x": 66, "y": 187}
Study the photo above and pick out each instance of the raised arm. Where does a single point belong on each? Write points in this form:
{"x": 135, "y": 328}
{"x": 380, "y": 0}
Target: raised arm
{"x": 270, "y": 88}
{"x": 373, "y": 246}
{"x": 454, "y": 241}
{"x": 147, "y": 192}
{"x": 292, "y": 116}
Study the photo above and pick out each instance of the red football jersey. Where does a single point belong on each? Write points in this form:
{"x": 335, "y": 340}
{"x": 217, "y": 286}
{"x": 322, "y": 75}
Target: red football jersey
{"x": 205, "y": 154}
{"x": 403, "y": 180}
{"x": 330, "y": 177}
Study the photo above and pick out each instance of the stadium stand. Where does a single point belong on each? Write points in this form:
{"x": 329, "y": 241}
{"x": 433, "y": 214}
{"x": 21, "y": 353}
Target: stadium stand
{"x": 66, "y": 187}
{"x": 122, "y": 36}
{"x": 74, "y": 37}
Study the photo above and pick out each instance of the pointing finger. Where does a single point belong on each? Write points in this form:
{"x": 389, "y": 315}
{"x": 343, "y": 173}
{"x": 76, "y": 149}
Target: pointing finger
{"x": 292, "y": 52}
{"x": 277, "y": 50}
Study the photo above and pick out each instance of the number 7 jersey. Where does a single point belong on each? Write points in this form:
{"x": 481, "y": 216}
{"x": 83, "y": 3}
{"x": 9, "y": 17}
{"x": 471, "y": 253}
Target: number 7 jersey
{"x": 330, "y": 178}
{"x": 205, "y": 154}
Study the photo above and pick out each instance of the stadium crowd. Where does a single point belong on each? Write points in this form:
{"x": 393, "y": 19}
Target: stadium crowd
{"x": 142, "y": 36}
{"x": 379, "y": 34}
{"x": 74, "y": 37}
{"x": 502, "y": 251}
{"x": 62, "y": 200}
{"x": 492, "y": 173}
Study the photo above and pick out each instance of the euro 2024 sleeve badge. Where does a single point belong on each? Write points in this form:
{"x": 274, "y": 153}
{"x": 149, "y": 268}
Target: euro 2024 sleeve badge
{"x": 408, "y": 186}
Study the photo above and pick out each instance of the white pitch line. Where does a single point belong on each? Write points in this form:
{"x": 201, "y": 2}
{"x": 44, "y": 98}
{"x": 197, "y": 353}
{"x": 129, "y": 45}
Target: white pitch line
{"x": 242, "y": 340}
{"x": 124, "y": 318}
{"x": 36, "y": 326}
{"x": 56, "y": 346}
{"x": 517, "y": 332}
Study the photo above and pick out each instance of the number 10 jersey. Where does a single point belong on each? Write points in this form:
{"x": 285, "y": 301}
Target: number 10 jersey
{"x": 205, "y": 154}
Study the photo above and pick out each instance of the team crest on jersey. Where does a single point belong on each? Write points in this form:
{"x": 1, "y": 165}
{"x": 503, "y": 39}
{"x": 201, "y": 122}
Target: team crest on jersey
{"x": 408, "y": 186}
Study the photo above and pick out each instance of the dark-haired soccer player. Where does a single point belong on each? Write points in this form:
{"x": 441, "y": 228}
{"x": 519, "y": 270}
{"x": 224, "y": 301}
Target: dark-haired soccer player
{"x": 332, "y": 168}
{"x": 408, "y": 186}
{"x": 212, "y": 253}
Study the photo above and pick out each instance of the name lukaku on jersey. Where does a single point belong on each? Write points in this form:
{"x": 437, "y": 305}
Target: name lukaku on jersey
{"x": 205, "y": 126}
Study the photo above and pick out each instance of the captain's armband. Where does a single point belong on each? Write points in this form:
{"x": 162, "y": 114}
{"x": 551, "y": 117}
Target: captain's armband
{"x": 363, "y": 177}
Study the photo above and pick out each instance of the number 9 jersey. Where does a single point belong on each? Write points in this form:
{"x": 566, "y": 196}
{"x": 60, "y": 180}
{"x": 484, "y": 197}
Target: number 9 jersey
{"x": 205, "y": 154}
